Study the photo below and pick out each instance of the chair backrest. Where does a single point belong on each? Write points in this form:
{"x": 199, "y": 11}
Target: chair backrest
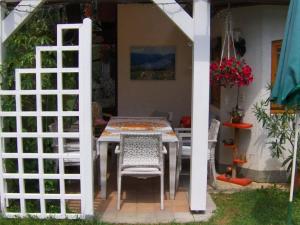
{"x": 141, "y": 150}
{"x": 213, "y": 132}
{"x": 184, "y": 136}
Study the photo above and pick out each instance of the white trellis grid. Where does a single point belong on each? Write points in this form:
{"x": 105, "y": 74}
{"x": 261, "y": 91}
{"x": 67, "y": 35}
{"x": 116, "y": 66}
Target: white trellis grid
{"x": 18, "y": 203}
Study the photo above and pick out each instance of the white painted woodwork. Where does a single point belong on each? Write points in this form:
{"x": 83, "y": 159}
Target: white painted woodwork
{"x": 200, "y": 105}
{"x": 18, "y": 16}
{"x": 85, "y": 99}
{"x": 1, "y": 121}
{"x": 84, "y": 134}
{"x": 177, "y": 14}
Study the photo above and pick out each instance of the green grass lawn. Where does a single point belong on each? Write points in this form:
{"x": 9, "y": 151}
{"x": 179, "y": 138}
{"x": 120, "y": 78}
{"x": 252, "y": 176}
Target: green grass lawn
{"x": 256, "y": 207}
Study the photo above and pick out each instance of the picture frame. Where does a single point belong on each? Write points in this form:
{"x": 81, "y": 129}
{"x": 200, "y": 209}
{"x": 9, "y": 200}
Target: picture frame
{"x": 153, "y": 63}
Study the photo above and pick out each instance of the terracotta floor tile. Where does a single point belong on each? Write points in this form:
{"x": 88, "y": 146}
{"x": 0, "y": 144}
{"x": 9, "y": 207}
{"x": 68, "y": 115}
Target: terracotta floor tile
{"x": 140, "y": 196}
{"x": 156, "y": 207}
{"x": 145, "y": 207}
{"x": 129, "y": 195}
{"x": 180, "y": 208}
{"x": 168, "y": 204}
{"x": 128, "y": 207}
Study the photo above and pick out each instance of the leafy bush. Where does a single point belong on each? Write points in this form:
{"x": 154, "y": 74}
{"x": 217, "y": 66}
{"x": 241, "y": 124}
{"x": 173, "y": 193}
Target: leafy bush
{"x": 280, "y": 128}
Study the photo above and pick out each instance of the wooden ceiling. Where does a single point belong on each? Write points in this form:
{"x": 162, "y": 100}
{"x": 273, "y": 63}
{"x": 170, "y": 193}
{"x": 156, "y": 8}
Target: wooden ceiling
{"x": 217, "y": 5}
{"x": 242, "y": 2}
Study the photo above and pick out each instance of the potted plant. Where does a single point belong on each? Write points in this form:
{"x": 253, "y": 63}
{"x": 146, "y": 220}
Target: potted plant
{"x": 231, "y": 70}
{"x": 229, "y": 73}
{"x": 236, "y": 115}
{"x": 280, "y": 128}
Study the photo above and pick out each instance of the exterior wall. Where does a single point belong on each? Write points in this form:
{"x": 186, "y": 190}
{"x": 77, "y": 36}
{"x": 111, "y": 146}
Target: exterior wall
{"x": 260, "y": 25}
{"x": 146, "y": 25}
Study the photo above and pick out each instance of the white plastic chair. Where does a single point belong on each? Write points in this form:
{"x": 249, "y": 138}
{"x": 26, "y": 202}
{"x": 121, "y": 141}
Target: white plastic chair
{"x": 72, "y": 147}
{"x": 185, "y": 150}
{"x": 141, "y": 155}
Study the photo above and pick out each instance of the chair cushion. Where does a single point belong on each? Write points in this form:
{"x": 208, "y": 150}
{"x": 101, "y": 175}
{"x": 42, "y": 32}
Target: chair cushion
{"x": 186, "y": 151}
{"x": 141, "y": 169}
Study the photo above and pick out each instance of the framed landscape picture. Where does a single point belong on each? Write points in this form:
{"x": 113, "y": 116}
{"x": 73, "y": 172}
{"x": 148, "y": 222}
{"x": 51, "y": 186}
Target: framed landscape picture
{"x": 152, "y": 63}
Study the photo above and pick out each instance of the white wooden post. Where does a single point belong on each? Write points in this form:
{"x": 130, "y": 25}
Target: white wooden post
{"x": 1, "y": 33}
{"x": 200, "y": 105}
{"x": 85, "y": 121}
{"x": 177, "y": 15}
{"x": 18, "y": 16}
{"x": 1, "y": 123}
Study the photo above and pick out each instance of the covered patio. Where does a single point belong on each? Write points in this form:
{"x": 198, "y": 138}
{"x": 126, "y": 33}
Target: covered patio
{"x": 90, "y": 187}
{"x": 75, "y": 123}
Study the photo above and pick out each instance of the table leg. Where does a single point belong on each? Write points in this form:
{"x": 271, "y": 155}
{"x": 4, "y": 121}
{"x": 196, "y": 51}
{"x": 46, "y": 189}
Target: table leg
{"x": 172, "y": 168}
{"x": 103, "y": 168}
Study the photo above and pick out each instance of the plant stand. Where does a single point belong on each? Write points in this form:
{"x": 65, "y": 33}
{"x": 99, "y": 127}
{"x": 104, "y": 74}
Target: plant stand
{"x": 235, "y": 159}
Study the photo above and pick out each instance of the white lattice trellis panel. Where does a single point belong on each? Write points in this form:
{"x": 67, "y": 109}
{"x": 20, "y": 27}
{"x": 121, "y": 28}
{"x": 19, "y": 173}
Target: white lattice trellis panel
{"x": 50, "y": 111}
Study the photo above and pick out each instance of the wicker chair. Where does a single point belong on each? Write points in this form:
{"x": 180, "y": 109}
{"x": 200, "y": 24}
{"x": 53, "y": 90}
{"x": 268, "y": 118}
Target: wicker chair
{"x": 141, "y": 155}
{"x": 185, "y": 150}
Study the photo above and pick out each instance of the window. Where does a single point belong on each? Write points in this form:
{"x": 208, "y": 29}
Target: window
{"x": 276, "y": 47}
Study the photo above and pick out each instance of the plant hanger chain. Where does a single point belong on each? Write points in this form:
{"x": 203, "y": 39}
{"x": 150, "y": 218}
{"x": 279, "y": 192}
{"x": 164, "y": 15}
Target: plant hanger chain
{"x": 228, "y": 39}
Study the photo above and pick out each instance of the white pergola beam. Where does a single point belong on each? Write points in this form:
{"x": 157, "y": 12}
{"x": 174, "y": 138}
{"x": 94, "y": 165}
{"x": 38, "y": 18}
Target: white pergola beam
{"x": 177, "y": 14}
{"x": 18, "y": 16}
{"x": 200, "y": 105}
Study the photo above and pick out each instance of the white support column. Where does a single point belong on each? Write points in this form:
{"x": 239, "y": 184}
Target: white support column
{"x": 177, "y": 14}
{"x": 1, "y": 33}
{"x": 1, "y": 123}
{"x": 200, "y": 105}
{"x": 18, "y": 16}
{"x": 85, "y": 119}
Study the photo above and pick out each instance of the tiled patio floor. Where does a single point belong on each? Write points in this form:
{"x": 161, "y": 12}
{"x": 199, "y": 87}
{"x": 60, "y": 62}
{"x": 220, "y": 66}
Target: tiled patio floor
{"x": 140, "y": 196}
{"x": 141, "y": 203}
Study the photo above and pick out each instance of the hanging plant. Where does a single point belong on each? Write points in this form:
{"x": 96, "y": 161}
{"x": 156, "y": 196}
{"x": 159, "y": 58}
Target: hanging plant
{"x": 231, "y": 72}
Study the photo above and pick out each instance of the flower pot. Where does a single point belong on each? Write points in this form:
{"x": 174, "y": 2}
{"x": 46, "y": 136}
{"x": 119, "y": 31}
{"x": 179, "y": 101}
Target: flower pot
{"x": 236, "y": 119}
{"x": 237, "y": 115}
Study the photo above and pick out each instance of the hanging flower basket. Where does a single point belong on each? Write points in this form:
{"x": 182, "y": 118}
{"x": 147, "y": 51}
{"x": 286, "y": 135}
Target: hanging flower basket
{"x": 231, "y": 72}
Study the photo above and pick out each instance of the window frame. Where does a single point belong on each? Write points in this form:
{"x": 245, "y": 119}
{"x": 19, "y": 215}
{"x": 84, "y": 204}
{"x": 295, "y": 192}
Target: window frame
{"x": 275, "y": 55}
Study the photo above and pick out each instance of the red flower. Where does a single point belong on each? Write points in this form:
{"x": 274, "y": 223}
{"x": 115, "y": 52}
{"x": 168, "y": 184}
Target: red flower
{"x": 214, "y": 66}
{"x": 231, "y": 72}
{"x": 247, "y": 70}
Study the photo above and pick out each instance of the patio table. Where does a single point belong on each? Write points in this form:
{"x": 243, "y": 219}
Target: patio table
{"x": 117, "y": 125}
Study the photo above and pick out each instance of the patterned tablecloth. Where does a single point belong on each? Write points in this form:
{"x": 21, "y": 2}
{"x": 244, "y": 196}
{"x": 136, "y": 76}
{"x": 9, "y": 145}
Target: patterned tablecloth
{"x": 118, "y": 125}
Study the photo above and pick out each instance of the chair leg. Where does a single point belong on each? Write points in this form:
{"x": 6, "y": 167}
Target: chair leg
{"x": 119, "y": 192}
{"x": 162, "y": 191}
{"x": 212, "y": 173}
{"x": 178, "y": 170}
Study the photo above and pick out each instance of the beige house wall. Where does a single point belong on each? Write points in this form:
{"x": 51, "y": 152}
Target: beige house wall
{"x": 259, "y": 25}
{"x": 146, "y": 25}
